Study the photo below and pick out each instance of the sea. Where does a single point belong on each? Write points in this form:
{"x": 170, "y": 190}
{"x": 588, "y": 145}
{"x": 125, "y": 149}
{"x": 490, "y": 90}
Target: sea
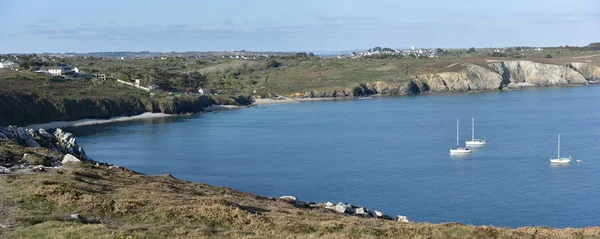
{"x": 389, "y": 154}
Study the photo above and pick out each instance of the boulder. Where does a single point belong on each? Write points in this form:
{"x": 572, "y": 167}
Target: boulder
{"x": 330, "y": 206}
{"x": 4, "y": 170}
{"x": 44, "y": 133}
{"x": 291, "y": 198}
{"x": 341, "y": 208}
{"x": 26, "y": 137}
{"x": 38, "y": 168}
{"x": 70, "y": 159}
{"x": 403, "y": 219}
{"x": 376, "y": 213}
{"x": 361, "y": 211}
{"x": 7, "y": 132}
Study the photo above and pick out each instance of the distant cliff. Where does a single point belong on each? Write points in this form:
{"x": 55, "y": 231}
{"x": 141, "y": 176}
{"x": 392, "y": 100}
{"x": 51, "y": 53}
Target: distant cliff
{"x": 495, "y": 75}
{"x": 22, "y": 109}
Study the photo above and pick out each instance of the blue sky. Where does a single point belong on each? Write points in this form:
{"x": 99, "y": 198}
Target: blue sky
{"x": 307, "y": 25}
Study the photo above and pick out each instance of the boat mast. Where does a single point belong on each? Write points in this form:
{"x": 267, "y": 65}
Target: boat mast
{"x": 457, "y": 144}
{"x": 473, "y": 130}
{"x": 559, "y": 146}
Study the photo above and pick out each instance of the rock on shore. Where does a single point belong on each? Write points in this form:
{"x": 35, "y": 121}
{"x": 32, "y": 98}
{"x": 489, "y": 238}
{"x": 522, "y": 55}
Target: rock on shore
{"x": 59, "y": 141}
{"x": 343, "y": 208}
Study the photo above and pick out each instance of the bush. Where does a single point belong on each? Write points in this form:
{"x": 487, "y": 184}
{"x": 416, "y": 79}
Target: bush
{"x": 272, "y": 64}
{"x": 548, "y": 56}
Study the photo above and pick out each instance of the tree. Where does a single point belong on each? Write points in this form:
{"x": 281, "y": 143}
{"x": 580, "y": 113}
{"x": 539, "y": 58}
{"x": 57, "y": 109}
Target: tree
{"x": 301, "y": 55}
{"x": 125, "y": 78}
{"x": 471, "y": 50}
{"x": 272, "y": 64}
{"x": 195, "y": 80}
{"x": 311, "y": 55}
{"x": 159, "y": 77}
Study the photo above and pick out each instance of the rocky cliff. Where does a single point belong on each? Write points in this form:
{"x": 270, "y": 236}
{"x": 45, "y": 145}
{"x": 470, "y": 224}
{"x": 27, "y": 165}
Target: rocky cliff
{"x": 590, "y": 72}
{"x": 494, "y": 75}
{"x": 20, "y": 109}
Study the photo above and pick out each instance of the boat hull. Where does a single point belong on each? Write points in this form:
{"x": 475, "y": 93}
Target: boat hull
{"x": 475, "y": 142}
{"x": 561, "y": 160}
{"x": 461, "y": 151}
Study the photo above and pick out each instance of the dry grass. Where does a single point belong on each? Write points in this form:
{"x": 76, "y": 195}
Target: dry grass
{"x": 132, "y": 205}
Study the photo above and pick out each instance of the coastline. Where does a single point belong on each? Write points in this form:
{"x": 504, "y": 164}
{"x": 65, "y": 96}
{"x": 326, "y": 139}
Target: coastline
{"x": 146, "y": 115}
{"x": 85, "y": 122}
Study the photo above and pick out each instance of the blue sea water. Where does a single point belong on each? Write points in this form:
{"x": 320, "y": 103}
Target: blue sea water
{"x": 388, "y": 153}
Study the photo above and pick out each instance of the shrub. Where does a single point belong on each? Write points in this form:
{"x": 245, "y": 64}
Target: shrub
{"x": 272, "y": 64}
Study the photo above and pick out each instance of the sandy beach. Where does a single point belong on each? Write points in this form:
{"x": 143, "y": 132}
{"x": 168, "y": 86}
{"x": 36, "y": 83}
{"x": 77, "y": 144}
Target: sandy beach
{"x": 83, "y": 122}
{"x": 147, "y": 115}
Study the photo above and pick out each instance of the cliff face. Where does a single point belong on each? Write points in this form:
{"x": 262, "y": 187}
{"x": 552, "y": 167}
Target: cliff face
{"x": 538, "y": 74}
{"x": 18, "y": 109}
{"x": 493, "y": 76}
{"x": 590, "y": 72}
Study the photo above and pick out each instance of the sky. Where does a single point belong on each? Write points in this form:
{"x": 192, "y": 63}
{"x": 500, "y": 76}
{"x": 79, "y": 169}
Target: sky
{"x": 36, "y": 26}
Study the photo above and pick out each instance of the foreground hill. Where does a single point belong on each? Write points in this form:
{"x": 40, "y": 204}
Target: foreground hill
{"x": 90, "y": 200}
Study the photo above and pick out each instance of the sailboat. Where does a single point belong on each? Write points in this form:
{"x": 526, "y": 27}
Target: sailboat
{"x": 559, "y": 159}
{"x": 474, "y": 141}
{"x": 459, "y": 149}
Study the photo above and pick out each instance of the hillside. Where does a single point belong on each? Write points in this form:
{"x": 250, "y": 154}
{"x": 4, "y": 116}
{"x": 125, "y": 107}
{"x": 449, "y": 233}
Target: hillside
{"x": 27, "y": 98}
{"x": 299, "y": 76}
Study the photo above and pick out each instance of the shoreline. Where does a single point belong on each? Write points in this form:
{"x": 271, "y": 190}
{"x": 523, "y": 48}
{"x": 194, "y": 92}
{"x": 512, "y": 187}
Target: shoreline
{"x": 86, "y": 122}
{"x": 142, "y": 116}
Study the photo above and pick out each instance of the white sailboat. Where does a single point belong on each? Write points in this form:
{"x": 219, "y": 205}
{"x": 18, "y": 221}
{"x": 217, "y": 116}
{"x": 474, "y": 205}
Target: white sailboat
{"x": 474, "y": 141}
{"x": 459, "y": 149}
{"x": 559, "y": 159}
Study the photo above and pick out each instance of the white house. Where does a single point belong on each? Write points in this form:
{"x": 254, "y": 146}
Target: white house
{"x": 56, "y": 70}
{"x": 76, "y": 70}
{"x": 204, "y": 91}
{"x": 8, "y": 65}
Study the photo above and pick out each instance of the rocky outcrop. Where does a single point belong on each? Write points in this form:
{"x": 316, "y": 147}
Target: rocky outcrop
{"x": 588, "y": 71}
{"x": 343, "y": 208}
{"x": 538, "y": 74}
{"x": 60, "y": 141}
{"x": 492, "y": 76}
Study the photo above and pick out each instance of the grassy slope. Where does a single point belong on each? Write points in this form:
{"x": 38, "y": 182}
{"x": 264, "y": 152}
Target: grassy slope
{"x": 12, "y": 82}
{"x": 132, "y": 205}
{"x": 304, "y": 74}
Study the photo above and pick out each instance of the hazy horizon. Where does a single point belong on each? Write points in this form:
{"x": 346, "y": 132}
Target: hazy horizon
{"x": 268, "y": 25}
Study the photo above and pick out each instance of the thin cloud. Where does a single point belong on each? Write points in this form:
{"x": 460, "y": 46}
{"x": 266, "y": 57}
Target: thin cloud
{"x": 47, "y": 20}
{"x": 348, "y": 19}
